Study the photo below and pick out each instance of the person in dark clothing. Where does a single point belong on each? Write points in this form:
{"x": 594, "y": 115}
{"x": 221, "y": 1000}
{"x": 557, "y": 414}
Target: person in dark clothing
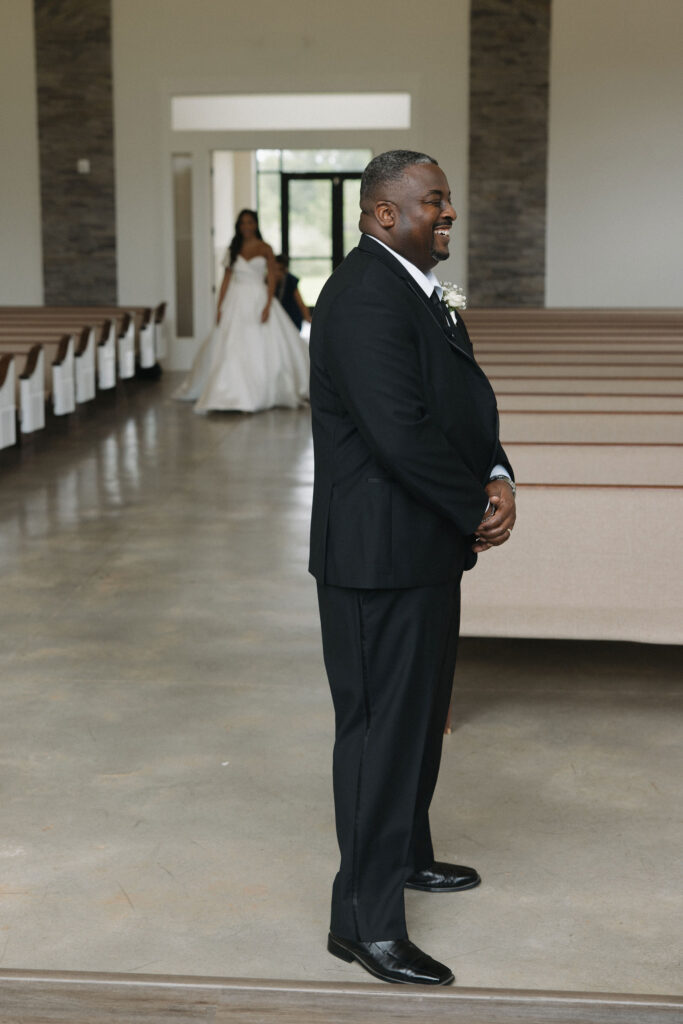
{"x": 288, "y": 294}
{"x": 411, "y": 484}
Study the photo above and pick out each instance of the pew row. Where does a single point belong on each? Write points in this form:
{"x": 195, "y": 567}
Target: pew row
{"x": 573, "y": 385}
{"x": 64, "y": 355}
{"x": 525, "y": 425}
{"x": 583, "y": 562}
{"x": 605, "y": 316}
{"x": 52, "y": 376}
{"x": 103, "y": 345}
{"x": 600, "y": 403}
{"x": 591, "y": 416}
{"x": 69, "y": 365}
{"x": 22, "y": 393}
{"x": 614, "y": 465}
{"x": 149, "y": 325}
{"x": 139, "y": 332}
{"x": 8, "y": 408}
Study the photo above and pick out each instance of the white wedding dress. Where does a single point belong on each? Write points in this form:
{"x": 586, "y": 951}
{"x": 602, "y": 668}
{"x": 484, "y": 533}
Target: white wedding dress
{"x": 246, "y": 365}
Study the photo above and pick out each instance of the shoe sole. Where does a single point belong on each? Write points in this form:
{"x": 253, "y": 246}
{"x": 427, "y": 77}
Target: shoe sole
{"x": 442, "y": 888}
{"x": 336, "y": 949}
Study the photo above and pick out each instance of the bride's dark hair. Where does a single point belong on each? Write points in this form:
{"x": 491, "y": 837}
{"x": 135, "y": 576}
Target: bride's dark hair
{"x": 236, "y": 244}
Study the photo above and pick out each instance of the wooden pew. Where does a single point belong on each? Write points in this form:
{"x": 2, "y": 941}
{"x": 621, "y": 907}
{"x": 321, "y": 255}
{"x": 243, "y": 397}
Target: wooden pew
{"x": 22, "y": 394}
{"x": 591, "y": 407}
{"x": 66, "y": 354}
{"x": 56, "y": 364}
{"x": 142, "y": 336}
{"x": 93, "y": 351}
{"x": 8, "y": 408}
{"x": 59, "y": 362}
{"x": 84, "y": 353}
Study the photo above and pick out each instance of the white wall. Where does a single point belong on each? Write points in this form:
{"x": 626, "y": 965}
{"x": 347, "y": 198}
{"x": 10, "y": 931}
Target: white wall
{"x": 162, "y": 47}
{"x": 615, "y": 196}
{"x": 233, "y": 189}
{"x": 21, "y": 271}
{"x": 615, "y": 201}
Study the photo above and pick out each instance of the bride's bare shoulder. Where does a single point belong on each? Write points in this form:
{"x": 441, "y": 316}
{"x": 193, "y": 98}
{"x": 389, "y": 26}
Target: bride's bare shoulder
{"x": 256, "y": 248}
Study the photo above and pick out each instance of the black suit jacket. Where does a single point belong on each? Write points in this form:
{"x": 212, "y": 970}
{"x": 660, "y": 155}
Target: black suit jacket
{"x": 405, "y": 432}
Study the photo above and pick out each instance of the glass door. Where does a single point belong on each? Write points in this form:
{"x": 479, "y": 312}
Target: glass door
{"x": 319, "y": 225}
{"x": 307, "y": 231}
{"x": 351, "y": 212}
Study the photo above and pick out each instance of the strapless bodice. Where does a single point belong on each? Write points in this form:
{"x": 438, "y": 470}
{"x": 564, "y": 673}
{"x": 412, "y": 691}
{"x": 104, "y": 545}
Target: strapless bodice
{"x": 251, "y": 271}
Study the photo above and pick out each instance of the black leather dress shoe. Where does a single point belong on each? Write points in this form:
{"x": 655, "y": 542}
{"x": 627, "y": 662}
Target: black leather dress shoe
{"x": 442, "y": 877}
{"x": 397, "y": 960}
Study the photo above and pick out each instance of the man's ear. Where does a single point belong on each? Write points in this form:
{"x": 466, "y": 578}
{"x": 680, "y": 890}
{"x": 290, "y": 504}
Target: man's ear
{"x": 385, "y": 213}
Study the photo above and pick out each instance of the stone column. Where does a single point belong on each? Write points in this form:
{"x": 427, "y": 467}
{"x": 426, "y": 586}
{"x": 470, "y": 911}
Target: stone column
{"x": 75, "y": 123}
{"x": 509, "y": 72}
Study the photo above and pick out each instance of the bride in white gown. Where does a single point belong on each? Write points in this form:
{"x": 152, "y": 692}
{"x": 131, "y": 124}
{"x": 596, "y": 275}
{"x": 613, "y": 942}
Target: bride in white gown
{"x": 254, "y": 358}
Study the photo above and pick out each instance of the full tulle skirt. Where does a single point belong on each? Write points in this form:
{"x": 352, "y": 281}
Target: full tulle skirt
{"x": 246, "y": 365}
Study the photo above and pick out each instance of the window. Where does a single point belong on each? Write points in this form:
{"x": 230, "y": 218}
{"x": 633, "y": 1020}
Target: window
{"x": 291, "y": 112}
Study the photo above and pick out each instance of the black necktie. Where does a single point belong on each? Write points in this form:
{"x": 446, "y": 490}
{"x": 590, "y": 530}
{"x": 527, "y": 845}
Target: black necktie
{"x": 444, "y": 318}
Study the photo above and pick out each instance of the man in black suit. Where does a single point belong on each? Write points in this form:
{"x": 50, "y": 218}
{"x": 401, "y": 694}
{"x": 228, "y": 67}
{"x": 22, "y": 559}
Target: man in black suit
{"x": 411, "y": 483}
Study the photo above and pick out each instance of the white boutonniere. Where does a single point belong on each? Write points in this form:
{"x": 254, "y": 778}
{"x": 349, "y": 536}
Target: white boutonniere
{"x": 453, "y": 296}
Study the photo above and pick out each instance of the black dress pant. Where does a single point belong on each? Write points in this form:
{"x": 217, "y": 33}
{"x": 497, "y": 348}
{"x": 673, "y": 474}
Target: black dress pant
{"x": 390, "y": 657}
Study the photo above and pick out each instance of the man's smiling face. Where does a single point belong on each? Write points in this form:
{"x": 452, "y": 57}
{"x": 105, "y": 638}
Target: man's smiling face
{"x": 421, "y": 200}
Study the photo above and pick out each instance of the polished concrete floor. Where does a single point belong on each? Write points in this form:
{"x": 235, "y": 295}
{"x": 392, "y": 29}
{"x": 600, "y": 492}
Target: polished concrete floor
{"x": 166, "y": 732}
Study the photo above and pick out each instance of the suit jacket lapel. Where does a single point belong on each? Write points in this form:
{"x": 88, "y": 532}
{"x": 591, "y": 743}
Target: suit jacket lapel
{"x": 459, "y": 341}
{"x": 463, "y": 335}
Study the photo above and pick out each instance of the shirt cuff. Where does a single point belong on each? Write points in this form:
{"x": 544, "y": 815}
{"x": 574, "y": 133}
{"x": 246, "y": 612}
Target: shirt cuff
{"x": 500, "y": 471}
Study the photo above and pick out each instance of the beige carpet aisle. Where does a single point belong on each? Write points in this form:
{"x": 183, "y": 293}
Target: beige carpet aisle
{"x": 165, "y": 736}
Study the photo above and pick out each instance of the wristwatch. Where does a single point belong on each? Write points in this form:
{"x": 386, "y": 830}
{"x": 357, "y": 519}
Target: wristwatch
{"x": 508, "y": 480}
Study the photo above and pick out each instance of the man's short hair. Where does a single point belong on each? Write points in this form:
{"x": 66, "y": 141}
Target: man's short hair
{"x": 387, "y": 168}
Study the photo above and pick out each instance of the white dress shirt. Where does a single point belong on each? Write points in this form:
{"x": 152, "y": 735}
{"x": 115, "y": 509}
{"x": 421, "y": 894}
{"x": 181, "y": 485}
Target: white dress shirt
{"x": 429, "y": 283}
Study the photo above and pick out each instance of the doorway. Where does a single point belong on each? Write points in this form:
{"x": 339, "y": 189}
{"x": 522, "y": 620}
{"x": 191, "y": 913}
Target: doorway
{"x": 308, "y": 207}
